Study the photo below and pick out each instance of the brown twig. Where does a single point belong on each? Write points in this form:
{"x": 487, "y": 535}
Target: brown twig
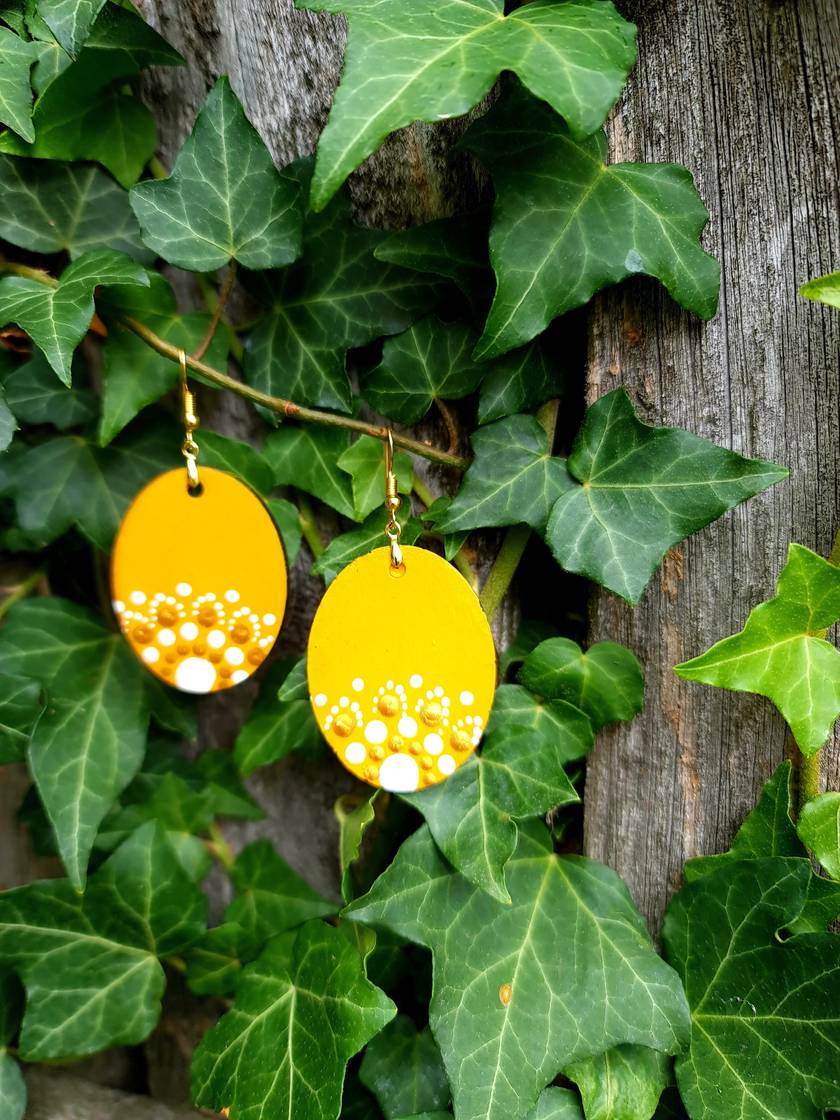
{"x": 221, "y": 302}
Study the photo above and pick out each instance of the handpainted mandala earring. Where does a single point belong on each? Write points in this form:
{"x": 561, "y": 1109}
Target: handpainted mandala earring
{"x": 198, "y": 573}
{"x": 401, "y": 663}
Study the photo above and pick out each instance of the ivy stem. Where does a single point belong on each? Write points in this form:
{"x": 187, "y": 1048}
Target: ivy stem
{"x": 21, "y": 591}
{"x": 451, "y": 424}
{"x": 219, "y": 848}
{"x": 516, "y": 538}
{"x": 460, "y": 559}
{"x": 309, "y": 527}
{"x": 221, "y": 302}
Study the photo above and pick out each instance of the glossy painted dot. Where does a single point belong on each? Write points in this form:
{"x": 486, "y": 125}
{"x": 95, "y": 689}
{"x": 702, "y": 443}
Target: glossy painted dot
{"x": 355, "y": 753}
{"x": 399, "y": 773}
{"x": 195, "y": 675}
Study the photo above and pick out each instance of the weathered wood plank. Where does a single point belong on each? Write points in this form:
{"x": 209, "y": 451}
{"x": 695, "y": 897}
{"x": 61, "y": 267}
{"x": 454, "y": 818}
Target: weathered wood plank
{"x": 59, "y": 1096}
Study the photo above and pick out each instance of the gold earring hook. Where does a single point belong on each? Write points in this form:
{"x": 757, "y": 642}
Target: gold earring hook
{"x": 189, "y": 448}
{"x": 392, "y": 503}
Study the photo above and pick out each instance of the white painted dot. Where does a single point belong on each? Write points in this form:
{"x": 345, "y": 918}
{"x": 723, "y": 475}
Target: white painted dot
{"x": 171, "y": 600}
{"x": 234, "y": 656}
{"x": 466, "y": 698}
{"x": 216, "y": 639}
{"x": 138, "y": 598}
{"x": 334, "y": 709}
{"x": 415, "y": 680}
{"x": 358, "y": 684}
{"x": 189, "y": 631}
{"x": 184, "y": 589}
{"x": 355, "y": 706}
{"x": 446, "y": 764}
{"x": 150, "y": 655}
{"x": 407, "y": 727}
{"x": 239, "y": 676}
{"x": 438, "y": 691}
{"x": 478, "y": 721}
{"x": 433, "y": 743}
{"x": 210, "y": 597}
{"x": 376, "y": 731}
{"x": 343, "y": 701}
{"x": 399, "y": 773}
{"x": 355, "y": 753}
{"x": 232, "y": 596}
{"x": 269, "y": 619}
{"x": 130, "y": 614}
{"x": 195, "y": 675}
{"x": 252, "y": 617}
{"x": 389, "y": 685}
{"x": 429, "y": 694}
{"x": 118, "y": 605}
{"x": 166, "y": 637}
{"x": 320, "y": 700}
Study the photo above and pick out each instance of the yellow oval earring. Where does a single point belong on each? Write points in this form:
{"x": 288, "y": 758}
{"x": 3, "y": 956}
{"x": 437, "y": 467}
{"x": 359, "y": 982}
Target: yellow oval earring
{"x": 197, "y": 609}
{"x": 401, "y": 663}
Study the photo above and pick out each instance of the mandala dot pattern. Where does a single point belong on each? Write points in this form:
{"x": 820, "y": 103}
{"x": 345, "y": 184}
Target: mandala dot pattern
{"x": 199, "y": 582}
{"x": 402, "y": 669}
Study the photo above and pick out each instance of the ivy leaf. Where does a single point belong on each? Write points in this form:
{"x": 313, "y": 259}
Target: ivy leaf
{"x": 548, "y": 722}
{"x": 16, "y": 59}
{"x": 353, "y": 816}
{"x": 566, "y": 223}
{"x": 89, "y": 961}
{"x": 87, "y": 209}
{"x": 307, "y": 457}
{"x": 12, "y": 1085}
{"x": 338, "y": 296}
{"x": 275, "y": 729}
{"x": 35, "y": 397}
{"x": 214, "y": 964}
{"x": 765, "y": 1018}
{"x": 430, "y": 361}
{"x": 363, "y": 461}
{"x": 440, "y": 60}
{"x": 57, "y": 318}
{"x": 472, "y": 815}
{"x": 625, "y": 1083}
{"x": 70, "y": 20}
{"x": 531, "y": 632}
{"x": 295, "y": 685}
{"x": 348, "y": 546}
{"x": 225, "y": 200}
{"x": 819, "y": 829}
{"x": 89, "y": 742}
{"x": 20, "y": 706}
{"x": 518, "y": 381}
{"x": 569, "y": 998}
{"x": 271, "y": 898}
{"x": 557, "y": 1104}
{"x": 825, "y": 289}
{"x": 8, "y": 423}
{"x": 403, "y": 1069}
{"x": 605, "y": 682}
{"x": 236, "y": 457}
{"x": 283, "y": 1047}
{"x": 512, "y": 479}
{"x": 642, "y": 490}
{"x": 782, "y": 653}
{"x": 287, "y": 519}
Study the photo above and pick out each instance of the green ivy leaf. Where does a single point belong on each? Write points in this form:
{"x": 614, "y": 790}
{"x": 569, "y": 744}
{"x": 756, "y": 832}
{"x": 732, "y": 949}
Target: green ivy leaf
{"x": 295, "y": 686}
{"x": 642, "y": 490}
{"x": 605, "y": 682}
{"x": 625, "y": 1083}
{"x": 16, "y": 59}
{"x": 20, "y": 706}
{"x": 513, "y": 479}
{"x": 89, "y": 742}
{"x": 548, "y": 722}
{"x": 518, "y": 381}
{"x": 89, "y": 961}
{"x": 606, "y": 987}
{"x": 8, "y": 423}
{"x": 403, "y": 1069}
{"x": 237, "y": 458}
{"x": 13, "y": 13}
{"x": 825, "y": 289}
{"x": 554, "y": 1104}
{"x": 782, "y": 653}
{"x": 338, "y": 296}
{"x": 363, "y": 461}
{"x": 70, "y": 21}
{"x": 35, "y": 397}
{"x": 271, "y": 898}
{"x": 307, "y": 457}
{"x": 225, "y": 200}
{"x": 348, "y": 546}
{"x": 214, "y": 964}
{"x": 275, "y": 729}
{"x": 283, "y": 1047}
{"x": 531, "y": 632}
{"x": 566, "y": 223}
{"x": 57, "y": 318}
{"x": 353, "y": 816}
{"x": 439, "y": 60}
{"x": 765, "y": 1018}
{"x": 12, "y": 1086}
{"x": 287, "y": 519}
{"x": 819, "y": 829}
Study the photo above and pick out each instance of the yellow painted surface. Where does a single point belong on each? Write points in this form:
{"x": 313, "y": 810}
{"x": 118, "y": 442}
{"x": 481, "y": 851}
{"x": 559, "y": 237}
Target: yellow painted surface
{"x": 199, "y": 583}
{"x": 402, "y": 669}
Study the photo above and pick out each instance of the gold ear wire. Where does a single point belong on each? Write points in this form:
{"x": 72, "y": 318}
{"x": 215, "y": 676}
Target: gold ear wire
{"x": 189, "y": 448}
{"x": 393, "y": 529}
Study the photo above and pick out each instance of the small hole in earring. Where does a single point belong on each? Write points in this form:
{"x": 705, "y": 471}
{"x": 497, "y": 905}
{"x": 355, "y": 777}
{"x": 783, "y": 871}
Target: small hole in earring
{"x": 397, "y": 573}
{"x": 195, "y": 491}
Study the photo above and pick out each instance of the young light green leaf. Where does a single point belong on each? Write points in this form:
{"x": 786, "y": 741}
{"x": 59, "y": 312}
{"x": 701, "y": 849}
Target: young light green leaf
{"x": 625, "y": 1083}
{"x": 472, "y": 815}
{"x": 57, "y": 318}
{"x": 70, "y": 20}
{"x": 518, "y": 381}
{"x": 225, "y": 200}
{"x": 548, "y": 722}
{"x": 89, "y": 961}
{"x": 336, "y": 297}
{"x": 89, "y": 742}
{"x": 501, "y": 1045}
{"x": 274, "y": 729}
{"x": 531, "y": 632}
{"x": 20, "y": 705}
{"x": 16, "y": 59}
{"x": 782, "y": 653}
{"x": 364, "y": 462}
{"x": 283, "y": 1047}
{"x": 54, "y": 207}
{"x": 765, "y": 1013}
{"x": 295, "y": 685}
{"x": 307, "y": 457}
{"x": 825, "y": 289}
{"x": 353, "y": 816}
{"x": 605, "y": 682}
{"x": 271, "y": 898}
{"x": 819, "y": 829}
{"x": 640, "y": 491}
{"x": 36, "y": 397}
{"x": 348, "y": 546}
{"x": 512, "y": 479}
{"x": 403, "y": 1069}
{"x": 566, "y": 223}
{"x": 437, "y": 60}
